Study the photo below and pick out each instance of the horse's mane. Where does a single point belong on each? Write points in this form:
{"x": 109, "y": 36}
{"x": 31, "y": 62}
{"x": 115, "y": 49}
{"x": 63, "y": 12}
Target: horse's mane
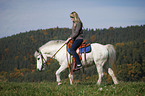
{"x": 52, "y": 42}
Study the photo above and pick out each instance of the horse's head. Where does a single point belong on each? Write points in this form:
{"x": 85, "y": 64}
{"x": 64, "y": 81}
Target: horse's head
{"x": 40, "y": 60}
{"x": 48, "y": 50}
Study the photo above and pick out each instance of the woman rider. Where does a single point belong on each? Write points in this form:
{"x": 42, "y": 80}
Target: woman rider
{"x": 77, "y": 37}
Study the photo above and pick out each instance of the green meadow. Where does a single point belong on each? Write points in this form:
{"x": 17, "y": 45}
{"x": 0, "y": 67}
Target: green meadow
{"x": 78, "y": 89}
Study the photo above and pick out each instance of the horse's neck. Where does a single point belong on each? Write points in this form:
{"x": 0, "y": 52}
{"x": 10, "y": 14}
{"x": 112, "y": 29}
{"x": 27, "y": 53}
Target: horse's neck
{"x": 51, "y": 49}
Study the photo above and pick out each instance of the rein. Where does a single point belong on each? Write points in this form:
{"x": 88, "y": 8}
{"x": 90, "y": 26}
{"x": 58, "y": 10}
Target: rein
{"x": 56, "y": 52}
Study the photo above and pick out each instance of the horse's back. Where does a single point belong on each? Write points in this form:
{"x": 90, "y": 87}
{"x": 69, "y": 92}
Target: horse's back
{"x": 98, "y": 47}
{"x": 99, "y": 51}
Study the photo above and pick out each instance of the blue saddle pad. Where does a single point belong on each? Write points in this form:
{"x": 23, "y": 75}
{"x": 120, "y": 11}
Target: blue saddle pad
{"x": 81, "y": 50}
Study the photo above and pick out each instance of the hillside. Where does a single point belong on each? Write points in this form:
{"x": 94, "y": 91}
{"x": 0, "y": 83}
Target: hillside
{"x": 17, "y": 60}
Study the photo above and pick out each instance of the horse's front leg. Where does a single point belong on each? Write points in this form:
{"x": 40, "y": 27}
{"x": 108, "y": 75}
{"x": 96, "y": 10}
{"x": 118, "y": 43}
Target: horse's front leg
{"x": 70, "y": 78}
{"x": 61, "y": 68}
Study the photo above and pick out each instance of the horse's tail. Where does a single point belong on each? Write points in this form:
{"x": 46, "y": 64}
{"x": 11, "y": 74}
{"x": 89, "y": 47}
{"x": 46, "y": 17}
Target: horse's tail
{"x": 112, "y": 57}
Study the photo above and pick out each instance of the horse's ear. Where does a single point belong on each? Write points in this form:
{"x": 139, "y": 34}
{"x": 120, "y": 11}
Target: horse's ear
{"x": 36, "y": 54}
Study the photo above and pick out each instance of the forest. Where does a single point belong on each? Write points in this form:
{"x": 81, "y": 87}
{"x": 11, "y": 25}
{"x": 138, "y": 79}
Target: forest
{"x": 17, "y": 62}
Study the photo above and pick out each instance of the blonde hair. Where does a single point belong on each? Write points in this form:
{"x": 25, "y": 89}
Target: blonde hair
{"x": 76, "y": 18}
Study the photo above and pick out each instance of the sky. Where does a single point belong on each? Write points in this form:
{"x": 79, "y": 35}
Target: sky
{"x": 18, "y": 16}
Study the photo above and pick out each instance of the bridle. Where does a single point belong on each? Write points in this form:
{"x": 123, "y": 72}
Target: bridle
{"x": 42, "y": 58}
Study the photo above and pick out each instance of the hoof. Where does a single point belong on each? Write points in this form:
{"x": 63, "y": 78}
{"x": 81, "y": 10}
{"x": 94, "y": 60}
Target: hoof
{"x": 98, "y": 84}
{"x": 59, "y": 83}
{"x": 116, "y": 83}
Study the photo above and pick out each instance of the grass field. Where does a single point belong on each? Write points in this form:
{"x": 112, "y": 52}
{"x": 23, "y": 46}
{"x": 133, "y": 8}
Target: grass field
{"x": 78, "y": 89}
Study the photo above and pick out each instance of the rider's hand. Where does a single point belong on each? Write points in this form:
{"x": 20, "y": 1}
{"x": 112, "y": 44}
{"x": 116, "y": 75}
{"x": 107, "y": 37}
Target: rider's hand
{"x": 67, "y": 40}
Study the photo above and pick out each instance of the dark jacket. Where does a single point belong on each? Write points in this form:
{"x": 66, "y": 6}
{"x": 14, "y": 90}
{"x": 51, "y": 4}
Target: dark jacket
{"x": 77, "y": 32}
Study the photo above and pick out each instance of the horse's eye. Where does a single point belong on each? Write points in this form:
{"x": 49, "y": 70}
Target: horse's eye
{"x": 38, "y": 58}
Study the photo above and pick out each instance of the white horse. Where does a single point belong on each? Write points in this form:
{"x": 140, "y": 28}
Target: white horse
{"x": 99, "y": 54}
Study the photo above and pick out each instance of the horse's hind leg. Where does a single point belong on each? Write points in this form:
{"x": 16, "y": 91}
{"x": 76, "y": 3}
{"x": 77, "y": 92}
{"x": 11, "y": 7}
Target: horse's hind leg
{"x": 111, "y": 73}
{"x": 100, "y": 72}
{"x": 99, "y": 66}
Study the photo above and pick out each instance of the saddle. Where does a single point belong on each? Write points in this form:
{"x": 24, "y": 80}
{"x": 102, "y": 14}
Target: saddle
{"x": 83, "y": 48}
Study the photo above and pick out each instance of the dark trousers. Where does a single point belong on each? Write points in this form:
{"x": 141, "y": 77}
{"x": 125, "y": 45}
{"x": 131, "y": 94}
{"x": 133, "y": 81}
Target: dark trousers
{"x": 73, "y": 49}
